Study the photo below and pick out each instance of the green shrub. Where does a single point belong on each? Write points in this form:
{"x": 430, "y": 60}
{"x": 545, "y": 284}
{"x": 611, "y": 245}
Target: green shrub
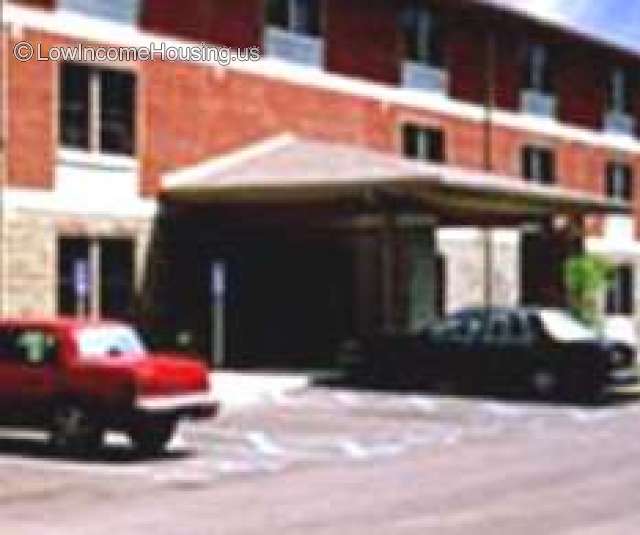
{"x": 587, "y": 277}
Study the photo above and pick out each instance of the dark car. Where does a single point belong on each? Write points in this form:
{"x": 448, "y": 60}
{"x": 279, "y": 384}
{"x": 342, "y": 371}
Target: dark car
{"x": 547, "y": 351}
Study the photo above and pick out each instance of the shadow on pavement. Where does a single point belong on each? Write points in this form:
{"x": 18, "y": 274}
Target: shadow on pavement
{"x": 480, "y": 392}
{"x": 107, "y": 454}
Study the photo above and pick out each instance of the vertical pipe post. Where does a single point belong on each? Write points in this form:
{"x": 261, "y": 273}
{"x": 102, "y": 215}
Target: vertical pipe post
{"x": 95, "y": 281}
{"x": 218, "y": 291}
{"x": 490, "y": 90}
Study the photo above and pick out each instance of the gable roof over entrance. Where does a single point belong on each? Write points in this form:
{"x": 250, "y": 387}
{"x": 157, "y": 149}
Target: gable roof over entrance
{"x": 289, "y": 169}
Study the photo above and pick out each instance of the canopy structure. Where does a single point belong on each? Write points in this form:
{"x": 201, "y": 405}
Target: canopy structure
{"x": 290, "y": 169}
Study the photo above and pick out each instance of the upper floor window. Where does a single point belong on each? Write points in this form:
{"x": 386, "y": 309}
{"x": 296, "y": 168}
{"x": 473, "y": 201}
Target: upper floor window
{"x": 619, "y": 116}
{"x": 620, "y": 181}
{"x": 293, "y": 31}
{"x": 620, "y": 91}
{"x": 423, "y": 36}
{"x": 423, "y": 143}
{"x": 538, "y": 69}
{"x": 620, "y": 298}
{"x": 537, "y": 96}
{"x": 423, "y": 65}
{"x": 97, "y": 109}
{"x": 297, "y": 16}
{"x": 118, "y": 10}
{"x": 538, "y": 165}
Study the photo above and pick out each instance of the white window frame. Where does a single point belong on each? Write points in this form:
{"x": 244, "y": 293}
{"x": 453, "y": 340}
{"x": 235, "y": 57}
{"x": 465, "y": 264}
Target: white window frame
{"x": 616, "y": 292}
{"x": 292, "y": 19}
{"x": 618, "y": 93}
{"x": 121, "y": 11}
{"x": 618, "y": 189}
{"x": 423, "y": 30}
{"x": 95, "y": 120}
{"x": 537, "y": 167}
{"x": 538, "y": 59}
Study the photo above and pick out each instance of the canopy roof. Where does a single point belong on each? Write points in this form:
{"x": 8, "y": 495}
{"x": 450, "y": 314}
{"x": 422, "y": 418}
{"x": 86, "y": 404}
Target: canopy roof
{"x": 290, "y": 169}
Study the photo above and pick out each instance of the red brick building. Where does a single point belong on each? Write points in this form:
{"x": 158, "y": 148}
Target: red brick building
{"x": 382, "y": 162}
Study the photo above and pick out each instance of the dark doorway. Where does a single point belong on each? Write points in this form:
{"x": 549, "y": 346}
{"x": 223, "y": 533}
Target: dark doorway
{"x": 544, "y": 254}
{"x": 288, "y": 299}
{"x": 116, "y": 278}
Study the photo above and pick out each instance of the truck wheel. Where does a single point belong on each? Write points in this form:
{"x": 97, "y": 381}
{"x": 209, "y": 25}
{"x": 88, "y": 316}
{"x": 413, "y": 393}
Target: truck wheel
{"x": 152, "y": 437}
{"x": 74, "y": 431}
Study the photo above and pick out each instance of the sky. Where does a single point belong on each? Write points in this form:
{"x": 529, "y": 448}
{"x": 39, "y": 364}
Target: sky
{"x": 615, "y": 20}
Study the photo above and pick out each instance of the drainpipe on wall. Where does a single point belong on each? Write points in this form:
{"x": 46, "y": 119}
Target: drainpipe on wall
{"x": 5, "y": 31}
{"x": 489, "y": 101}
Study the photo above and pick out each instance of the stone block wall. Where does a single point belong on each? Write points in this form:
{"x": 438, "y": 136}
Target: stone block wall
{"x": 463, "y": 252}
{"x": 31, "y": 255}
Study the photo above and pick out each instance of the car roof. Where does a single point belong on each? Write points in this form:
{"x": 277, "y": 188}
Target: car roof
{"x": 58, "y": 322}
{"x": 503, "y": 310}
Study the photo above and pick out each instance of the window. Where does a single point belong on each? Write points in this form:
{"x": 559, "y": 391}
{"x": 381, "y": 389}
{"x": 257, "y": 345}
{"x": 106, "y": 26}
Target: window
{"x": 538, "y": 75}
{"x": 74, "y": 109}
{"x": 107, "y": 261}
{"x": 97, "y": 109}
{"x": 620, "y": 293}
{"x": 34, "y": 347}
{"x": 497, "y": 329}
{"x": 423, "y": 36}
{"x": 538, "y": 165}
{"x": 423, "y": 143}
{"x": 109, "y": 342}
{"x": 464, "y": 327}
{"x": 297, "y": 16}
{"x": 117, "y": 10}
{"x": 620, "y": 181}
{"x": 71, "y": 252}
{"x": 620, "y": 90}
{"x": 519, "y": 327}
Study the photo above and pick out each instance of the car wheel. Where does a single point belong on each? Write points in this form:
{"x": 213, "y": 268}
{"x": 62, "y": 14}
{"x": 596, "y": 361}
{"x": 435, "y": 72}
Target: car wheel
{"x": 74, "y": 431}
{"x": 152, "y": 438}
{"x": 545, "y": 383}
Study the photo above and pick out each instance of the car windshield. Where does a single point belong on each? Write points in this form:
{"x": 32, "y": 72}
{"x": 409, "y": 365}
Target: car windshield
{"x": 564, "y": 327}
{"x": 109, "y": 341}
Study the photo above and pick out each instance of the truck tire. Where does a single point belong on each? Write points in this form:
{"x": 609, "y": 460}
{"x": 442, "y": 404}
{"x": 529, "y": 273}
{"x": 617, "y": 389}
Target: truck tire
{"x": 152, "y": 437}
{"x": 74, "y": 431}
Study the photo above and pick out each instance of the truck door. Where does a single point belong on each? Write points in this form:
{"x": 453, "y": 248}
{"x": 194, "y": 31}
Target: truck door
{"x": 28, "y": 372}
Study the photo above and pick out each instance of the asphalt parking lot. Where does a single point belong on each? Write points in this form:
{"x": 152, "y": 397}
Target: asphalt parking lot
{"x": 334, "y": 460}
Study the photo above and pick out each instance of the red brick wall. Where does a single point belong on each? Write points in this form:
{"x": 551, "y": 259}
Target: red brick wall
{"x": 189, "y": 113}
{"x": 466, "y": 59}
{"x": 47, "y": 4}
{"x": 31, "y": 122}
{"x": 363, "y": 40}
{"x": 367, "y": 46}
{"x": 185, "y": 125}
{"x": 225, "y": 22}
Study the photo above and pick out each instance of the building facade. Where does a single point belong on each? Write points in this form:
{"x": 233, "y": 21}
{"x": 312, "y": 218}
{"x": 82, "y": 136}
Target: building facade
{"x": 95, "y": 153}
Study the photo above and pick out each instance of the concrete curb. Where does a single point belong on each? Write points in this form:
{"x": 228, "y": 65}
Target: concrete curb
{"x": 237, "y": 390}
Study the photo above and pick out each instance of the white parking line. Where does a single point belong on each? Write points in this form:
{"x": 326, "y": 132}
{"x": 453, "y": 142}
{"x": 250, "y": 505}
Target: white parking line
{"x": 264, "y": 444}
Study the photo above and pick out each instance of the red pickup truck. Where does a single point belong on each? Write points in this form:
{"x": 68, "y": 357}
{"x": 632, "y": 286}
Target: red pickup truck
{"x": 80, "y": 378}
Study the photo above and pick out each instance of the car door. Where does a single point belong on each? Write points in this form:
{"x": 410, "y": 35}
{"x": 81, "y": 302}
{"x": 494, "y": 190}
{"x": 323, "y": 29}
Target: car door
{"x": 455, "y": 347}
{"x": 28, "y": 371}
{"x": 507, "y": 343}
